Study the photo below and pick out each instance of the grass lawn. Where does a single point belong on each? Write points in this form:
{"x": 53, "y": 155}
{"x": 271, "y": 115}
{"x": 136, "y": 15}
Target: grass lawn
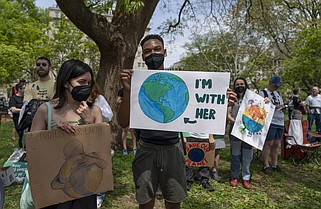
{"x": 293, "y": 187}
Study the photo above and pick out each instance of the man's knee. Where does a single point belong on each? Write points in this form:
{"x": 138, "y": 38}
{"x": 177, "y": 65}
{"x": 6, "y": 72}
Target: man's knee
{"x": 169, "y": 205}
{"x": 148, "y": 205}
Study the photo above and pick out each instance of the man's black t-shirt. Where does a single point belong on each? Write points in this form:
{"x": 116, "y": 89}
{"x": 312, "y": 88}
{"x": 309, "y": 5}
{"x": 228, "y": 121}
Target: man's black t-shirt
{"x": 159, "y": 137}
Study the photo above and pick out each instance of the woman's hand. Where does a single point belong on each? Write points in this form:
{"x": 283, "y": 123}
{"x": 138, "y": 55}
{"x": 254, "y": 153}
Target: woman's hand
{"x": 85, "y": 113}
{"x": 69, "y": 128}
{"x": 266, "y": 100}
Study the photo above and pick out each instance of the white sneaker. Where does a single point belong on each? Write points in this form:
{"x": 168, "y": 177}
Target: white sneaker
{"x": 99, "y": 202}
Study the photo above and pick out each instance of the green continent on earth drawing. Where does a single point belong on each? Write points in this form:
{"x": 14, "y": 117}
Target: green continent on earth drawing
{"x": 163, "y": 97}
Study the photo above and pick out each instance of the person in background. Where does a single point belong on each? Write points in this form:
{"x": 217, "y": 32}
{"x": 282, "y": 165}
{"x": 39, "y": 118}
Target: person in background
{"x": 298, "y": 107}
{"x": 219, "y": 144}
{"x": 313, "y": 106}
{"x": 276, "y": 129}
{"x": 43, "y": 88}
{"x": 125, "y": 130}
{"x": 241, "y": 152}
{"x": 15, "y": 105}
{"x": 69, "y": 108}
{"x": 203, "y": 174}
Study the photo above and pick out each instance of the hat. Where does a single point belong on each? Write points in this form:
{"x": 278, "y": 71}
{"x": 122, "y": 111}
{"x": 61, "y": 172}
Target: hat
{"x": 276, "y": 80}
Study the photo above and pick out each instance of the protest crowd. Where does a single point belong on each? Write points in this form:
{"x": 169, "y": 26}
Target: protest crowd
{"x": 163, "y": 159}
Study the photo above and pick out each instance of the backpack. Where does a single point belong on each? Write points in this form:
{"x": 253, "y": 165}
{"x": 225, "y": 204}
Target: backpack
{"x": 265, "y": 93}
{"x": 28, "y": 114}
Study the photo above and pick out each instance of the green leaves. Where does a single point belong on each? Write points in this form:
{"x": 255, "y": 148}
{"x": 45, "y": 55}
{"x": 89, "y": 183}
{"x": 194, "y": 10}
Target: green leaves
{"x": 22, "y": 38}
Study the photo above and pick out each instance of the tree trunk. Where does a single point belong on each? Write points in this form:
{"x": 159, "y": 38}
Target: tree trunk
{"x": 117, "y": 41}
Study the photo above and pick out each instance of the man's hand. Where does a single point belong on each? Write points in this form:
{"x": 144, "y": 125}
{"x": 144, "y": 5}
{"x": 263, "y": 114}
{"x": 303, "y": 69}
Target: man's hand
{"x": 232, "y": 97}
{"x": 126, "y": 75}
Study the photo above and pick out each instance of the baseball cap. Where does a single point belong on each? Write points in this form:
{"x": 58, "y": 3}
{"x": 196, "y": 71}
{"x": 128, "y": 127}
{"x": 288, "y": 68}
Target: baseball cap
{"x": 276, "y": 80}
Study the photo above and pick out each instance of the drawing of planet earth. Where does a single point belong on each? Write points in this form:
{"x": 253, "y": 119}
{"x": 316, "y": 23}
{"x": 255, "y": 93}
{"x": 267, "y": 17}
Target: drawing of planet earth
{"x": 253, "y": 118}
{"x": 196, "y": 155}
{"x": 163, "y": 97}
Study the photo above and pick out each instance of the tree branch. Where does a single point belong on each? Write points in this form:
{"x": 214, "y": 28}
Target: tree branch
{"x": 179, "y": 16}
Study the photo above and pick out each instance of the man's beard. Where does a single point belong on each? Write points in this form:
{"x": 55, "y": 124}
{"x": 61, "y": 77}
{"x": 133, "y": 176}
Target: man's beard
{"x": 43, "y": 73}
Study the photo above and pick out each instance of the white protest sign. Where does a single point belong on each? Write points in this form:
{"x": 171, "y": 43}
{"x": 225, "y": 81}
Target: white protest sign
{"x": 179, "y": 101}
{"x": 253, "y": 120}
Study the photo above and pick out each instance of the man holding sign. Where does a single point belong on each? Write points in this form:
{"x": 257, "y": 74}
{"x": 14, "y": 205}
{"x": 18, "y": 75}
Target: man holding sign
{"x": 159, "y": 160}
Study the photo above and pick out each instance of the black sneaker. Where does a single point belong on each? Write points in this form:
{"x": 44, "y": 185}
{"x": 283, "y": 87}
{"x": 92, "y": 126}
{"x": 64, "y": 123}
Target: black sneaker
{"x": 276, "y": 168}
{"x": 206, "y": 185}
{"x": 267, "y": 170}
{"x": 188, "y": 185}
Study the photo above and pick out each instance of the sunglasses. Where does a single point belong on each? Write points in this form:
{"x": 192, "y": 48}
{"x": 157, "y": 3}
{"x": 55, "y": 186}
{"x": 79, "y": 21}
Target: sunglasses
{"x": 43, "y": 64}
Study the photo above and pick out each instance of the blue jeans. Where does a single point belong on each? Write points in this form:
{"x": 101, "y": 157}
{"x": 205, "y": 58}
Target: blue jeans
{"x": 240, "y": 149}
{"x": 317, "y": 119}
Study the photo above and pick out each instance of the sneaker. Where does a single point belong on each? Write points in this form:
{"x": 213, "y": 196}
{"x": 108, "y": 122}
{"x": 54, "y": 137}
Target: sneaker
{"x": 206, "y": 185}
{"x": 246, "y": 184}
{"x": 99, "y": 202}
{"x": 276, "y": 168}
{"x": 234, "y": 182}
{"x": 188, "y": 185}
{"x": 267, "y": 170}
{"x": 134, "y": 151}
{"x": 215, "y": 176}
{"x": 159, "y": 194}
{"x": 125, "y": 152}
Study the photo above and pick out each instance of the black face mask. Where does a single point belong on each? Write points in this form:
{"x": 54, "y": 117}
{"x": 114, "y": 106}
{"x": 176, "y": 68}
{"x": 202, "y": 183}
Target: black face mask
{"x": 81, "y": 93}
{"x": 240, "y": 89}
{"x": 154, "y": 61}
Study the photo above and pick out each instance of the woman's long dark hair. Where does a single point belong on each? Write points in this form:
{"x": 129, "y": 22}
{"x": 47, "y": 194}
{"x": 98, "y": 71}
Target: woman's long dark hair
{"x": 246, "y": 85}
{"x": 69, "y": 69}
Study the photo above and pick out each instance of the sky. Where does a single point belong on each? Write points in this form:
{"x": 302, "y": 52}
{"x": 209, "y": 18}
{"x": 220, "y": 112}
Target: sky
{"x": 175, "y": 50}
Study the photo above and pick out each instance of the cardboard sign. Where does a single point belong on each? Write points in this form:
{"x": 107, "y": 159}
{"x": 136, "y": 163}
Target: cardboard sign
{"x": 65, "y": 166}
{"x": 179, "y": 101}
{"x": 198, "y": 154}
{"x": 253, "y": 120}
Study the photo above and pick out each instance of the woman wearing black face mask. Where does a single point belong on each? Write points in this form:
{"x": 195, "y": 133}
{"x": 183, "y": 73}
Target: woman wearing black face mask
{"x": 241, "y": 152}
{"x": 67, "y": 109}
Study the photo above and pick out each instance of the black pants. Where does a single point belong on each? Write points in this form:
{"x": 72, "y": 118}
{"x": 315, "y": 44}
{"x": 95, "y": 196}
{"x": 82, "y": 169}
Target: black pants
{"x": 89, "y": 202}
{"x": 20, "y": 134}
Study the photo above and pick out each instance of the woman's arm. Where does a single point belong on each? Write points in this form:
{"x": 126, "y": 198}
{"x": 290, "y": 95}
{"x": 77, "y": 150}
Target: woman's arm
{"x": 229, "y": 115}
{"x": 15, "y": 110}
{"x": 40, "y": 120}
{"x": 96, "y": 112}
